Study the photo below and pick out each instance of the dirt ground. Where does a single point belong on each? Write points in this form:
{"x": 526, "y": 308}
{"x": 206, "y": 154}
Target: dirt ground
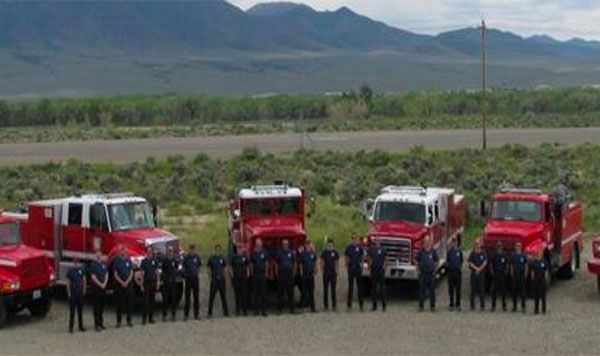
{"x": 570, "y": 327}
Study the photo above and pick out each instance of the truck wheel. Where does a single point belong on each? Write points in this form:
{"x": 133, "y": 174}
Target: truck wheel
{"x": 3, "y": 312}
{"x": 568, "y": 270}
{"x": 41, "y": 307}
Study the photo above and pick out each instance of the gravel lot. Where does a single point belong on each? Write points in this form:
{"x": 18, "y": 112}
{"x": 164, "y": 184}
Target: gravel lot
{"x": 570, "y": 327}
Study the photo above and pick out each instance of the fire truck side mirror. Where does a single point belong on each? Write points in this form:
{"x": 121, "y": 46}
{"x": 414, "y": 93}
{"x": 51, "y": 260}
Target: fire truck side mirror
{"x": 367, "y": 208}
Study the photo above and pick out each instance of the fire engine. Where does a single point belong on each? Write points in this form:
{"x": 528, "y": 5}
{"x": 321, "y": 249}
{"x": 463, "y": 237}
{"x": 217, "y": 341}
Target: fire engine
{"x": 26, "y": 274}
{"x": 594, "y": 261}
{"x": 547, "y": 223}
{"x": 75, "y": 227}
{"x": 271, "y": 213}
{"x": 402, "y": 216}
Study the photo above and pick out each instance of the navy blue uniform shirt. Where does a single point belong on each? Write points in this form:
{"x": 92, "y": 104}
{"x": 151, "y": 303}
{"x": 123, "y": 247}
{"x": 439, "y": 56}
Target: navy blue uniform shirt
{"x": 75, "y": 276}
{"x": 239, "y": 264}
{"x": 123, "y": 267}
{"x": 309, "y": 260}
{"x": 355, "y": 255}
{"x": 170, "y": 266}
{"x": 217, "y": 265}
{"x": 377, "y": 259}
{"x": 285, "y": 262}
{"x": 150, "y": 267}
{"x": 191, "y": 265}
{"x": 259, "y": 263}
{"x": 427, "y": 261}
{"x": 539, "y": 269}
{"x": 455, "y": 259}
{"x": 330, "y": 259}
{"x": 99, "y": 270}
{"x": 518, "y": 262}
{"x": 499, "y": 263}
{"x": 477, "y": 258}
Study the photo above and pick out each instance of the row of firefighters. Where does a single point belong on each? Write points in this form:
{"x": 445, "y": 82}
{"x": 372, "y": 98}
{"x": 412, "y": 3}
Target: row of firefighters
{"x": 248, "y": 273}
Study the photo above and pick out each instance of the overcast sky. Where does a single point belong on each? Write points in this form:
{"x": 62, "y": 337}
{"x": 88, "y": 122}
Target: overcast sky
{"x": 562, "y": 19}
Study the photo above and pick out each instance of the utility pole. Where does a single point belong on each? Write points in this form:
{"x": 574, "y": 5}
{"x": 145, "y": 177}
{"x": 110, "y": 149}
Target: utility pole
{"x": 484, "y": 105}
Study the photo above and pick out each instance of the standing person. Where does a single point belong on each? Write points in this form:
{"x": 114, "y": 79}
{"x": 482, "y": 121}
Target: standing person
{"x": 76, "y": 288}
{"x": 123, "y": 274}
{"x": 540, "y": 271}
{"x": 285, "y": 275}
{"x": 150, "y": 281}
{"x": 240, "y": 274}
{"x": 518, "y": 272}
{"x": 477, "y": 265}
{"x": 354, "y": 258}
{"x": 454, "y": 261}
{"x": 330, "y": 265}
{"x": 170, "y": 267}
{"x": 216, "y": 273}
{"x": 99, "y": 281}
{"x": 307, "y": 272}
{"x": 377, "y": 264}
{"x": 191, "y": 269}
{"x": 259, "y": 278}
{"x": 499, "y": 271}
{"x": 427, "y": 261}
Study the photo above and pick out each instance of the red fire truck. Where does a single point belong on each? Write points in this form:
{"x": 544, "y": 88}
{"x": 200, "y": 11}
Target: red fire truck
{"x": 594, "y": 261}
{"x": 402, "y": 216}
{"x": 271, "y": 213}
{"x": 75, "y": 227}
{"x": 26, "y": 274}
{"x": 547, "y": 223}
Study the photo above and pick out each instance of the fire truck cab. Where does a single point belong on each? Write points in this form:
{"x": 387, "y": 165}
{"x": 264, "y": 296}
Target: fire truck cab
{"x": 594, "y": 262}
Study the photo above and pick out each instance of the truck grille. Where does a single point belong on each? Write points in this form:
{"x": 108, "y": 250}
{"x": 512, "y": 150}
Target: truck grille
{"x": 33, "y": 270}
{"x": 398, "y": 250}
{"x": 160, "y": 248}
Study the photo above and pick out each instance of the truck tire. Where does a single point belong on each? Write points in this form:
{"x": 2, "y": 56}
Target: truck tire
{"x": 3, "y": 312}
{"x": 568, "y": 270}
{"x": 41, "y": 307}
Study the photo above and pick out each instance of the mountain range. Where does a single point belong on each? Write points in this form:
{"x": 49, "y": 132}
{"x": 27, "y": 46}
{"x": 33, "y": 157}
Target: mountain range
{"x": 212, "y": 46}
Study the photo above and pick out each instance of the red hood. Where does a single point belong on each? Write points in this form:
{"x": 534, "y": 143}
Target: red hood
{"x": 274, "y": 227}
{"x": 513, "y": 230}
{"x": 397, "y": 229}
{"x": 19, "y": 253}
{"x": 140, "y": 236}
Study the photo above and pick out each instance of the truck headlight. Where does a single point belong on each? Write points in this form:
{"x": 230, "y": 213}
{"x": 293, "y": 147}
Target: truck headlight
{"x": 11, "y": 286}
{"x": 597, "y": 248}
{"x": 52, "y": 277}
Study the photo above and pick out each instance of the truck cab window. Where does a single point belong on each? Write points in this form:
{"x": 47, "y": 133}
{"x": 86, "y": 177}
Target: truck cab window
{"x": 98, "y": 219}
{"x": 75, "y": 214}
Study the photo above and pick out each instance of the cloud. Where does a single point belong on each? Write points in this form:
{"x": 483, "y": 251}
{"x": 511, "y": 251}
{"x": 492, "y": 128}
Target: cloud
{"x": 563, "y": 19}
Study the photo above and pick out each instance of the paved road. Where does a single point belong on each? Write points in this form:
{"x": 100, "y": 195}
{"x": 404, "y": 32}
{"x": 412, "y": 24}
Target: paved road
{"x": 139, "y": 149}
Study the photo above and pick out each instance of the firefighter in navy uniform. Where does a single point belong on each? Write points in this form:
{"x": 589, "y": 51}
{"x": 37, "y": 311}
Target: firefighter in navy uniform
{"x": 330, "y": 264}
{"x": 499, "y": 271}
{"x": 170, "y": 269}
{"x": 123, "y": 274}
{"x": 217, "y": 266}
{"x": 454, "y": 262}
{"x": 477, "y": 265}
{"x": 76, "y": 288}
{"x": 240, "y": 276}
{"x": 354, "y": 257}
{"x": 377, "y": 263}
{"x": 540, "y": 271}
{"x": 518, "y": 271}
{"x": 191, "y": 268}
{"x": 258, "y": 261}
{"x": 285, "y": 275}
{"x": 427, "y": 261}
{"x": 98, "y": 283}
{"x": 150, "y": 281}
{"x": 308, "y": 271}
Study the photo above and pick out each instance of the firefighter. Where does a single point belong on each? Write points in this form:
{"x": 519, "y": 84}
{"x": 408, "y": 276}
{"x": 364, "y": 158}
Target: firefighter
{"x": 540, "y": 271}
{"x": 307, "y": 272}
{"x": 427, "y": 261}
{"x": 76, "y": 288}
{"x": 499, "y": 271}
{"x": 123, "y": 274}
{"x": 454, "y": 263}
{"x": 170, "y": 267}
{"x": 258, "y": 261}
{"x": 377, "y": 264}
{"x": 99, "y": 281}
{"x": 150, "y": 284}
{"x": 330, "y": 264}
{"x": 354, "y": 257}
{"x": 518, "y": 271}
{"x": 191, "y": 269}
{"x": 240, "y": 275}
{"x": 285, "y": 275}
{"x": 217, "y": 266}
{"x": 477, "y": 265}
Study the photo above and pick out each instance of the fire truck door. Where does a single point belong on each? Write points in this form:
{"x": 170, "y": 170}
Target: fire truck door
{"x": 73, "y": 231}
{"x": 98, "y": 233}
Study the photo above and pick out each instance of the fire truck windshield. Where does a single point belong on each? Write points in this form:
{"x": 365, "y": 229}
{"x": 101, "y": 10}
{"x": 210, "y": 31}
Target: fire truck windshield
{"x": 400, "y": 211}
{"x": 9, "y": 234}
{"x": 272, "y": 207}
{"x": 129, "y": 216}
{"x": 518, "y": 210}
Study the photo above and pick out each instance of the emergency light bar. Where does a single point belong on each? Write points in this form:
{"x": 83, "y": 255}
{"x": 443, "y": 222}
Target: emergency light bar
{"x": 404, "y": 189}
{"x": 521, "y": 191}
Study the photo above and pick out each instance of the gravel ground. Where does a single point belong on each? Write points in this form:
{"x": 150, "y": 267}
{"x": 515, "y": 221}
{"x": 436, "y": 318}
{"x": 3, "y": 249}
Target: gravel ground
{"x": 570, "y": 327}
